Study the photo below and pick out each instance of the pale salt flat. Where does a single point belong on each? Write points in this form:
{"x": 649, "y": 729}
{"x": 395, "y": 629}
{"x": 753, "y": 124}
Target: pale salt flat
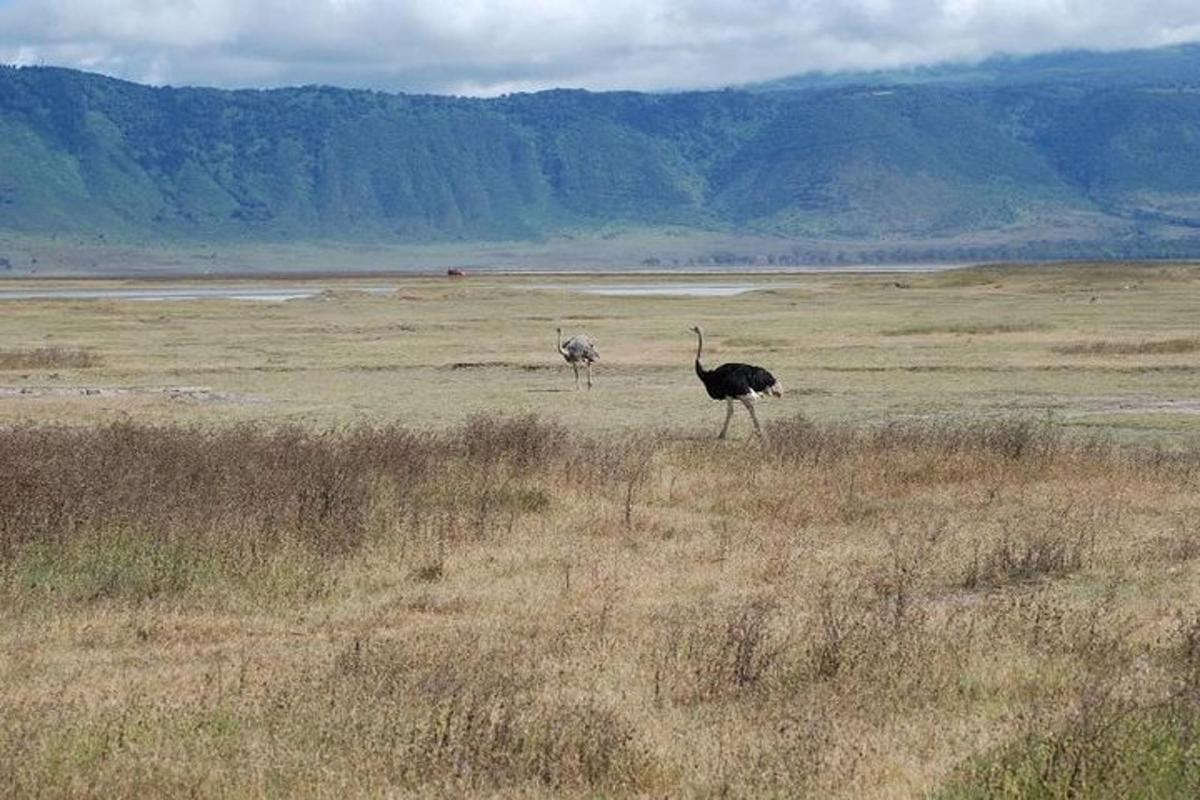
{"x": 664, "y": 289}
{"x": 252, "y": 293}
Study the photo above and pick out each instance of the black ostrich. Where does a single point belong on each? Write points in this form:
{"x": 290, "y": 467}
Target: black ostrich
{"x": 729, "y": 382}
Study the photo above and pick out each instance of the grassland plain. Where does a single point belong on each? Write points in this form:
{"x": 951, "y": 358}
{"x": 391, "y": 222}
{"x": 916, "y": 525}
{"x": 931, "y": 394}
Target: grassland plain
{"x": 324, "y": 547}
{"x": 849, "y": 348}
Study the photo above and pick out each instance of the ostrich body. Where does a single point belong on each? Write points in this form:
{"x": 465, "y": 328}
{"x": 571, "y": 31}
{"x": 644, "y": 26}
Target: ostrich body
{"x": 729, "y": 382}
{"x": 579, "y": 349}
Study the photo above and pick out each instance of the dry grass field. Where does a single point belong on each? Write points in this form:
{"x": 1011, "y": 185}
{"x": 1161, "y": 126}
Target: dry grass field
{"x": 376, "y": 545}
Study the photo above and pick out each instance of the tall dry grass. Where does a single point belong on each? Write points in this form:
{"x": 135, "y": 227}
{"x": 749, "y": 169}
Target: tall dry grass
{"x": 48, "y": 358}
{"x": 1152, "y": 347}
{"x": 506, "y": 608}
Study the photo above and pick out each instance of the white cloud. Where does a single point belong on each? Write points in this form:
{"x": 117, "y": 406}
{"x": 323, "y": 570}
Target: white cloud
{"x": 490, "y": 46}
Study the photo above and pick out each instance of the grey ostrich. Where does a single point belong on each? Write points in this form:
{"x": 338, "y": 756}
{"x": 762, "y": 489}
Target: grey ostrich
{"x": 579, "y": 349}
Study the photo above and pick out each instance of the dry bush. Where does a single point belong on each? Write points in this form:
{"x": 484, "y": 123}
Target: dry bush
{"x": 635, "y": 461}
{"x": 434, "y": 715}
{"x": 870, "y": 632}
{"x": 479, "y": 715}
{"x": 1032, "y": 554}
{"x": 242, "y": 487}
{"x": 618, "y": 470}
{"x": 1012, "y": 438}
{"x": 835, "y": 627}
{"x": 1186, "y": 652}
{"x": 1157, "y": 462}
{"x": 707, "y": 654}
{"x": 523, "y": 443}
{"x": 1108, "y": 747}
{"x": 48, "y": 358}
{"x": 253, "y": 483}
{"x": 131, "y": 511}
{"x": 492, "y": 462}
{"x": 797, "y": 439}
{"x": 1111, "y": 728}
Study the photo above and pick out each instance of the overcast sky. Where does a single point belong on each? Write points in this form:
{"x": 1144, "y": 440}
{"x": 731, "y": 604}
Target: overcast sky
{"x": 487, "y": 47}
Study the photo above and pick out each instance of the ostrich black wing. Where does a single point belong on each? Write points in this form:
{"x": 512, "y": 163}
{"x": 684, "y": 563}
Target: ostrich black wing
{"x": 737, "y": 380}
{"x": 760, "y": 380}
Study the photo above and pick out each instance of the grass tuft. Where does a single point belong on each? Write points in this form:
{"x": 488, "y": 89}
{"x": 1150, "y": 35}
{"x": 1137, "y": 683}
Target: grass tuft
{"x": 966, "y": 328}
{"x": 48, "y": 358}
{"x": 1149, "y": 347}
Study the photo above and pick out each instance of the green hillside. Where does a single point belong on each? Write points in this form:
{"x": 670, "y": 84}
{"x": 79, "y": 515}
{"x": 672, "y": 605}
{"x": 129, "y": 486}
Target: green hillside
{"x": 921, "y": 170}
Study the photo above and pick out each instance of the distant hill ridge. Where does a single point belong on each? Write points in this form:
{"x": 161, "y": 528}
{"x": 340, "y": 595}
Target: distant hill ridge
{"x": 1178, "y": 64}
{"x": 1074, "y": 153}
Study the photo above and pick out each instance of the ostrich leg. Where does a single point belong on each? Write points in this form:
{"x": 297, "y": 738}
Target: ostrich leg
{"x": 575, "y": 366}
{"x": 589, "y": 367}
{"x": 748, "y": 402}
{"x": 728, "y": 416}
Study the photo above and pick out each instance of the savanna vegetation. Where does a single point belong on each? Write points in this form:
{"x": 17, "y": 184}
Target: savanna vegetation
{"x": 389, "y": 551}
{"x": 962, "y": 608}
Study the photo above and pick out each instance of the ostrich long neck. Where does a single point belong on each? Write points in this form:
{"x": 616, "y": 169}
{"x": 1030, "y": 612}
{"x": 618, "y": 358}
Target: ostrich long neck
{"x": 558, "y": 342}
{"x": 699, "y": 348}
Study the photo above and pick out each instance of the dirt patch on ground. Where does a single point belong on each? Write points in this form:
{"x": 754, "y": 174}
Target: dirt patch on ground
{"x": 197, "y": 394}
{"x": 497, "y": 365}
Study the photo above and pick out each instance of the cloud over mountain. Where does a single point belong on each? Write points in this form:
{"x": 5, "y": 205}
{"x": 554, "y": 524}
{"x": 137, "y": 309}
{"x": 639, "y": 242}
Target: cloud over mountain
{"x": 494, "y": 46}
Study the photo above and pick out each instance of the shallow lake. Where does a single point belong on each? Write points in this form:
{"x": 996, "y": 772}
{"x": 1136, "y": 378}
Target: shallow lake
{"x": 272, "y": 292}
